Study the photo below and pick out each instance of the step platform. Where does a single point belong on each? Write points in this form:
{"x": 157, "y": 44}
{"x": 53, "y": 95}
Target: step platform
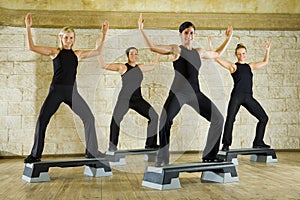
{"x": 167, "y": 177}
{"x": 118, "y": 157}
{"x": 38, "y": 172}
{"x": 257, "y": 155}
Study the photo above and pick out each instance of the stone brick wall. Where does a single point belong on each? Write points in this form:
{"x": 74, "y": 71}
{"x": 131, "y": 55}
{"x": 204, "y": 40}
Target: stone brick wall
{"x": 25, "y": 78}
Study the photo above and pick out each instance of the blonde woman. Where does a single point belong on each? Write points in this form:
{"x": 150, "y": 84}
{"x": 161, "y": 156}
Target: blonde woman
{"x": 63, "y": 89}
{"x": 242, "y": 95}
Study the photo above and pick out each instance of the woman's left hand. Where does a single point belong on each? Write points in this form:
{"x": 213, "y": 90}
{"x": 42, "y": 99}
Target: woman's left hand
{"x": 105, "y": 27}
{"x": 229, "y": 32}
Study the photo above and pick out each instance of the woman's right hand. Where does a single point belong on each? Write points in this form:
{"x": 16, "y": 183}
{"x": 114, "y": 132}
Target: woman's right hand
{"x": 141, "y": 22}
{"x": 28, "y": 20}
{"x": 268, "y": 45}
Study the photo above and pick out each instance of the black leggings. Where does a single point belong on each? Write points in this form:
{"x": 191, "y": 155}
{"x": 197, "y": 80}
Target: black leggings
{"x": 203, "y": 106}
{"x": 142, "y": 107}
{"x": 70, "y": 96}
{"x": 254, "y": 108}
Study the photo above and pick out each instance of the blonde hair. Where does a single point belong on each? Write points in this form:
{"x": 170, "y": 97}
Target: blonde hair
{"x": 240, "y": 46}
{"x": 66, "y": 29}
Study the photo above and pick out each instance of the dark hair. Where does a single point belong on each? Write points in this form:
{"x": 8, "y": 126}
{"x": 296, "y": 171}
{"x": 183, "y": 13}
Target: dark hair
{"x": 240, "y": 46}
{"x": 128, "y": 50}
{"x": 185, "y": 25}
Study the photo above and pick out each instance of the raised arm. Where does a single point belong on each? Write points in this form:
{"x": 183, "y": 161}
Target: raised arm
{"x": 224, "y": 63}
{"x": 81, "y": 54}
{"x": 219, "y": 51}
{"x": 119, "y": 67}
{"x": 257, "y": 65}
{"x": 47, "y": 51}
{"x": 161, "y": 49}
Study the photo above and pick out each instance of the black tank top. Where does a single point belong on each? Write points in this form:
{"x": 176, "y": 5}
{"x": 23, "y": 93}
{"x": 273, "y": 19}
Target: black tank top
{"x": 186, "y": 68}
{"x": 65, "y": 67}
{"x": 131, "y": 82}
{"x": 242, "y": 78}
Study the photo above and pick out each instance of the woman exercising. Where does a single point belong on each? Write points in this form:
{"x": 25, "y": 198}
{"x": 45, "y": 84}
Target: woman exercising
{"x": 242, "y": 95}
{"x": 63, "y": 89}
{"x": 130, "y": 96}
{"x": 185, "y": 89}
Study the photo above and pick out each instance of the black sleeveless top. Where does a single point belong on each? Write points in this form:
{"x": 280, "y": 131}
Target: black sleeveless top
{"x": 131, "y": 82}
{"x": 242, "y": 78}
{"x": 65, "y": 67}
{"x": 186, "y": 68}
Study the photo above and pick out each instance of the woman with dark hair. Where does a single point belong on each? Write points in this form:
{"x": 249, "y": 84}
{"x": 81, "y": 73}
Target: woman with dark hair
{"x": 242, "y": 95}
{"x": 130, "y": 96}
{"x": 185, "y": 89}
{"x": 63, "y": 88}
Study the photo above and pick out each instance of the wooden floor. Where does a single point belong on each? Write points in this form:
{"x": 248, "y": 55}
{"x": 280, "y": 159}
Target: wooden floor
{"x": 256, "y": 181}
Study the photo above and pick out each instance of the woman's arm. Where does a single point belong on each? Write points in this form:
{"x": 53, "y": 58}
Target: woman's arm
{"x": 161, "y": 49}
{"x": 82, "y": 54}
{"x": 217, "y": 53}
{"x": 224, "y": 63}
{"x": 257, "y": 65}
{"x": 118, "y": 67}
{"x": 150, "y": 67}
{"x": 47, "y": 51}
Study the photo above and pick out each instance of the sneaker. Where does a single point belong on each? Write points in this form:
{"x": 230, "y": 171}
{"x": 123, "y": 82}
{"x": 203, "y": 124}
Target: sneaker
{"x": 263, "y": 145}
{"x": 31, "y": 159}
{"x": 216, "y": 159}
{"x": 225, "y": 147}
{"x": 155, "y": 146}
{"x": 98, "y": 155}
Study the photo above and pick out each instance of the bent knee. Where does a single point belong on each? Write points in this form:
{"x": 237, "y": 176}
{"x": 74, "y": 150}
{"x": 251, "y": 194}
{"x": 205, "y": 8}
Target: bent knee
{"x": 264, "y": 119}
{"x": 89, "y": 119}
{"x": 217, "y": 118}
{"x": 153, "y": 115}
{"x": 230, "y": 119}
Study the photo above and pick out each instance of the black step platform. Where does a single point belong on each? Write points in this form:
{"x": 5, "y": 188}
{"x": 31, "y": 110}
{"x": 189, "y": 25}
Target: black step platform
{"x": 164, "y": 178}
{"x": 38, "y": 172}
{"x": 118, "y": 157}
{"x": 257, "y": 155}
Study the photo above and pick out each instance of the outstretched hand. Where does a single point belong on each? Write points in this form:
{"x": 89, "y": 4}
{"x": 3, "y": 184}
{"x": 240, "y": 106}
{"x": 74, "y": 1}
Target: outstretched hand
{"x": 268, "y": 45}
{"x": 28, "y": 19}
{"x": 211, "y": 48}
{"x": 229, "y": 31}
{"x": 141, "y": 22}
{"x": 105, "y": 27}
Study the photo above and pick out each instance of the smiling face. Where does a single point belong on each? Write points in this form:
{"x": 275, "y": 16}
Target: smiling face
{"x": 67, "y": 37}
{"x": 241, "y": 54}
{"x": 67, "y": 40}
{"x": 187, "y": 36}
{"x": 133, "y": 56}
